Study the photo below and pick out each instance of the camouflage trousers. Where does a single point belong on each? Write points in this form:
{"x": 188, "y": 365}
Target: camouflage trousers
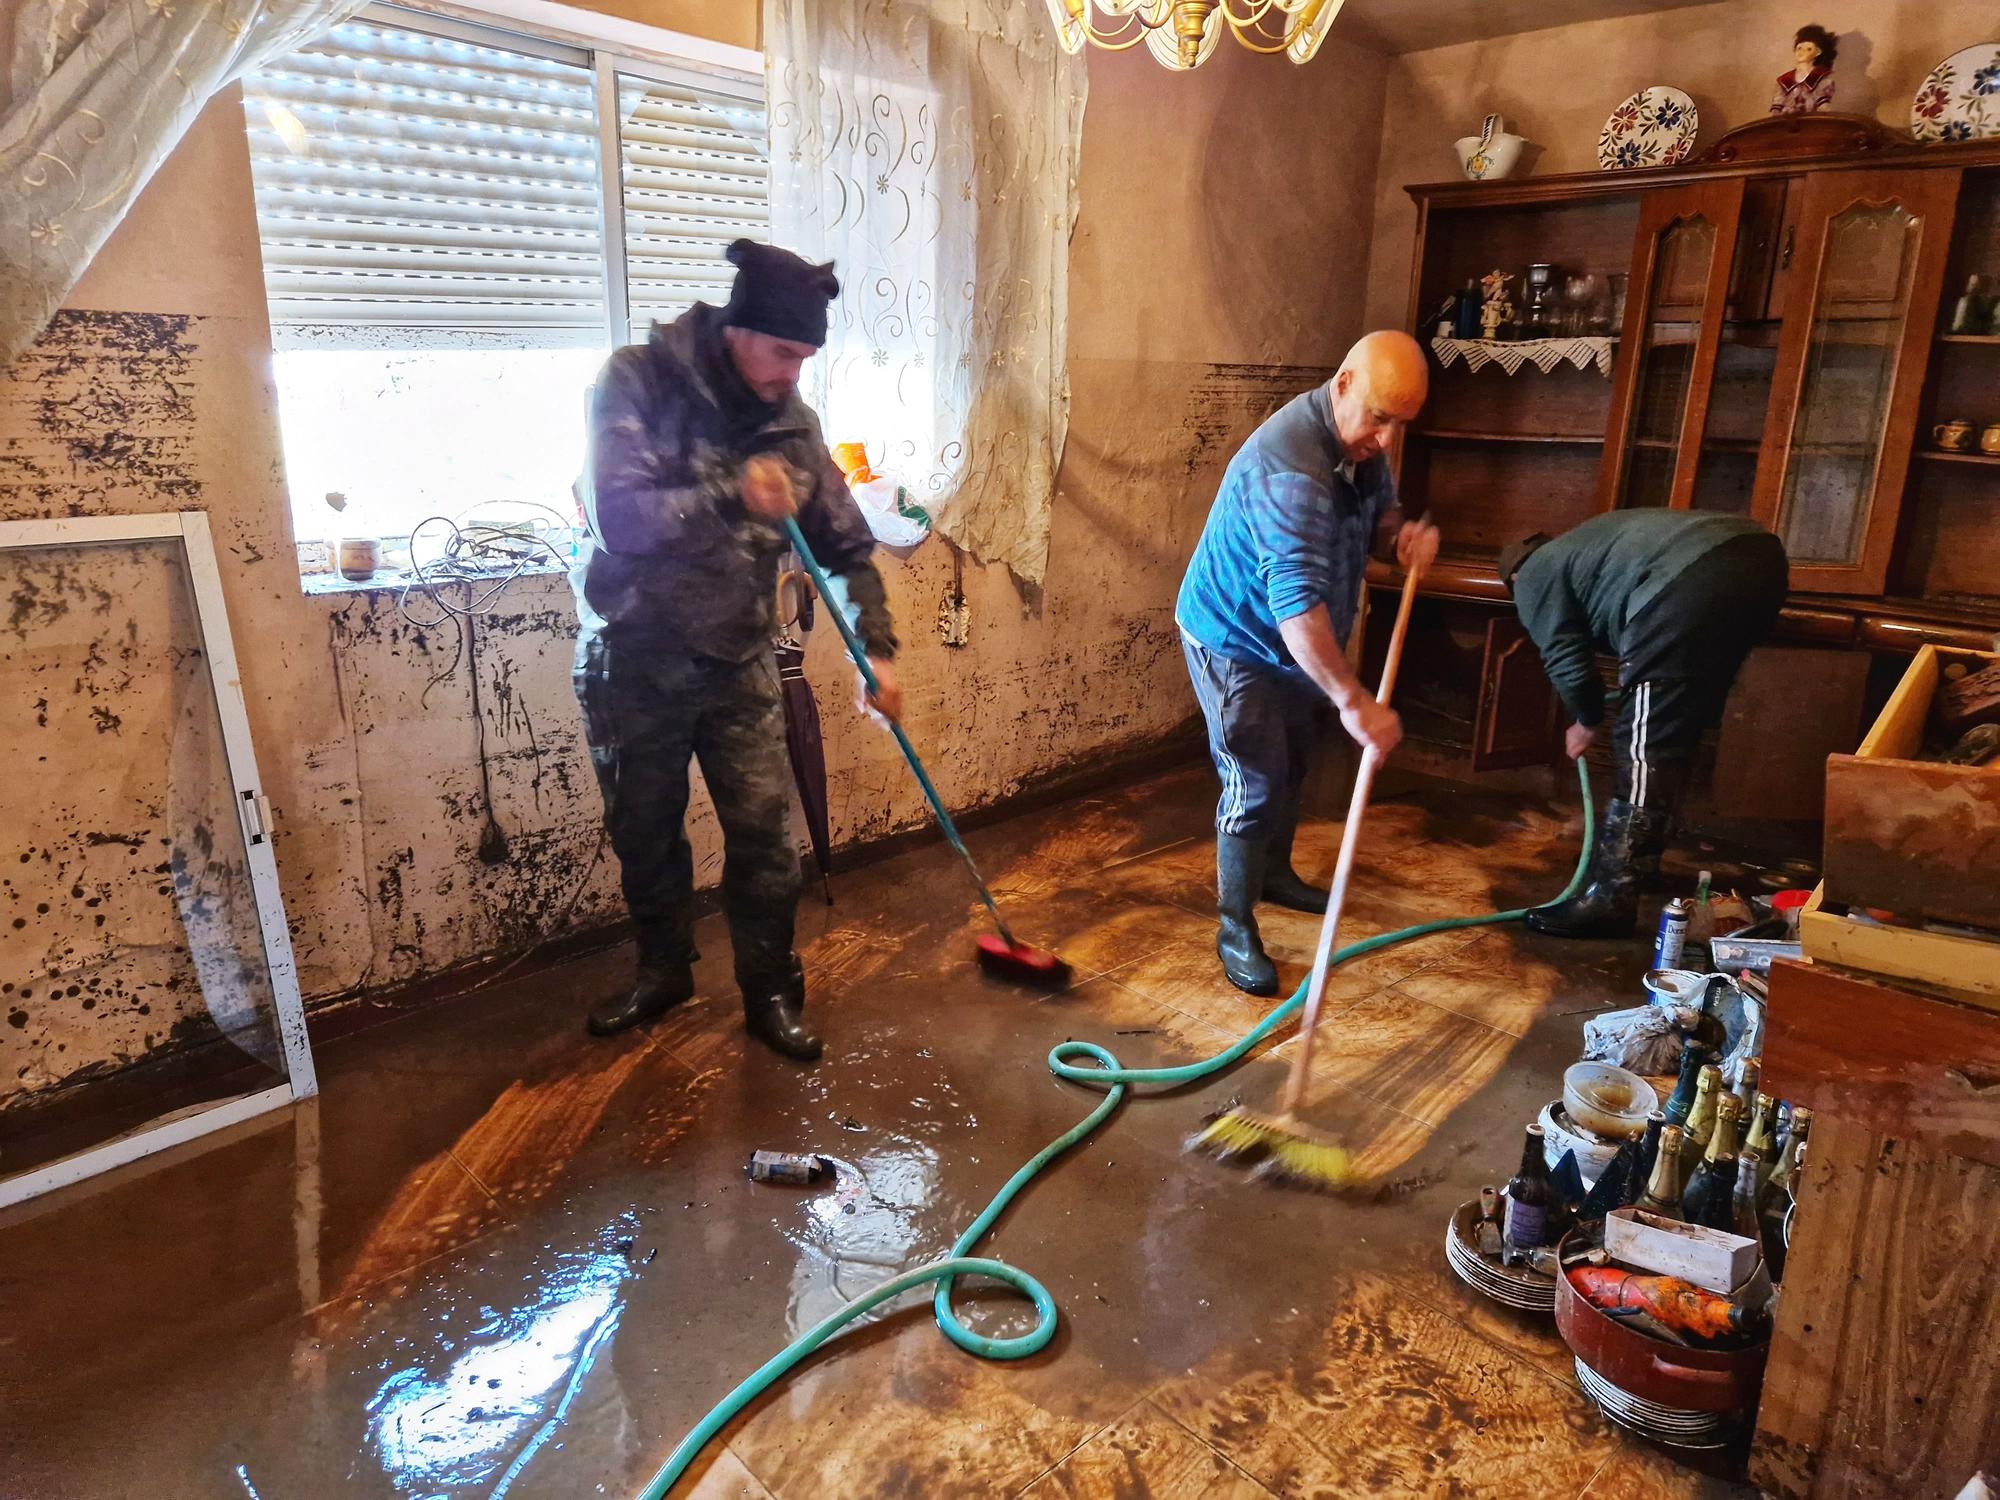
{"x": 645, "y": 714}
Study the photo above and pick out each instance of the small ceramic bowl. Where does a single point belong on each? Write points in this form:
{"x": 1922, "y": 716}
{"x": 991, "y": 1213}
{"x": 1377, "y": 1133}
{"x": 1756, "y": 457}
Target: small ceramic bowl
{"x": 1607, "y": 1100}
{"x": 1560, "y": 1134}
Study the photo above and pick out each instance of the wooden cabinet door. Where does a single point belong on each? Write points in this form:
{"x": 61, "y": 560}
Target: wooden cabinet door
{"x": 1860, "y": 311}
{"x": 1679, "y": 288}
{"x": 1517, "y": 720}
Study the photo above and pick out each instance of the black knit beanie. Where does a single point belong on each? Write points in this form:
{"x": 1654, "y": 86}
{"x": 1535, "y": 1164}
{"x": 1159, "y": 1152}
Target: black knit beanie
{"x": 779, "y": 293}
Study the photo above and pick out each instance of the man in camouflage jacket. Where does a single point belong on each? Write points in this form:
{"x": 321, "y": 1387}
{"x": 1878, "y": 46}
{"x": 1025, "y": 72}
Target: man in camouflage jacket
{"x": 700, "y": 447}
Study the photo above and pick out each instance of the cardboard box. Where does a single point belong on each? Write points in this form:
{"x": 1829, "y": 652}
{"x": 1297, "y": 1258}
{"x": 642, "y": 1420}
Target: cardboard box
{"x": 1709, "y": 1258}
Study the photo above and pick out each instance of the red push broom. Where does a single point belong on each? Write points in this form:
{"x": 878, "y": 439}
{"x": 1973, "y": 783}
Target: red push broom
{"x": 1000, "y": 952}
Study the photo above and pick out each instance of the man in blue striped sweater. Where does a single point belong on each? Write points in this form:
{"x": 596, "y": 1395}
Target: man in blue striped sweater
{"x": 1268, "y": 598}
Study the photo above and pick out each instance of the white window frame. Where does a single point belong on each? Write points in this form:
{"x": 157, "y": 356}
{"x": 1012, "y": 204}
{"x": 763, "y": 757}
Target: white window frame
{"x": 611, "y": 48}
{"x": 253, "y": 810}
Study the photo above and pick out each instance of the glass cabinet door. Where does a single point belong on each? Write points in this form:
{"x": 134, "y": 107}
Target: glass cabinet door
{"x": 1680, "y": 277}
{"x": 1849, "y": 374}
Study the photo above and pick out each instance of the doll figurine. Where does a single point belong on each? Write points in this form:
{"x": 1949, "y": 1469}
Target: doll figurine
{"x": 1808, "y": 88}
{"x": 1496, "y": 309}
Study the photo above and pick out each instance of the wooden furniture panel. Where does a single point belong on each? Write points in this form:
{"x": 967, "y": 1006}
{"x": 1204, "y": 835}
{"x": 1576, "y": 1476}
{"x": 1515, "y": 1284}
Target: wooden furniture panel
{"x": 1675, "y": 275}
{"x": 1518, "y": 719}
{"x": 1817, "y": 696}
{"x": 1884, "y": 1374}
{"x": 1483, "y": 495}
{"x": 1566, "y": 402}
{"x": 1889, "y": 1056}
{"x": 1951, "y": 531}
{"x": 1884, "y": 1370}
{"x": 1917, "y": 839}
{"x": 1854, "y": 248}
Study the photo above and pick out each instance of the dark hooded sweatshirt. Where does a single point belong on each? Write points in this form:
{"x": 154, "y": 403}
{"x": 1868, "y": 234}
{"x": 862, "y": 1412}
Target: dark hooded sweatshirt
{"x": 675, "y": 562}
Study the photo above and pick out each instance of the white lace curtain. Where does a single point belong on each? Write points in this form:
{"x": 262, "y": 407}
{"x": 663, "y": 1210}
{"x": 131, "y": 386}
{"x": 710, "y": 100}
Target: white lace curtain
{"x": 929, "y": 147}
{"x": 95, "y": 96}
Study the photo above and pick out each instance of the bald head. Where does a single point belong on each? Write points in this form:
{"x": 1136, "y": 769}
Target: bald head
{"x": 1381, "y": 385}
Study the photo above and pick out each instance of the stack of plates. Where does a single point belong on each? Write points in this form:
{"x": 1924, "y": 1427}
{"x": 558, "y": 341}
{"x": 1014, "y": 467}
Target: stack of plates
{"x": 1516, "y": 1286}
{"x": 1671, "y": 1425}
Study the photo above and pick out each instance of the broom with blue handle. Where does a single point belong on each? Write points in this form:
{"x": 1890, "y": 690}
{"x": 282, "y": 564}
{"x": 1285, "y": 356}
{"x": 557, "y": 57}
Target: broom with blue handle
{"x": 1000, "y": 952}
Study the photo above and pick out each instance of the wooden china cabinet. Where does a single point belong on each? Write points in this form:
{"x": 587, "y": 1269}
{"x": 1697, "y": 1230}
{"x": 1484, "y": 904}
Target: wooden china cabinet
{"x": 1785, "y": 351}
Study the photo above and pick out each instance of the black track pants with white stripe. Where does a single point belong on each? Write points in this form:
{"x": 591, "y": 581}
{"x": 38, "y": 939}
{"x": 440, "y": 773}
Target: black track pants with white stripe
{"x": 1680, "y": 655}
{"x": 1659, "y": 723}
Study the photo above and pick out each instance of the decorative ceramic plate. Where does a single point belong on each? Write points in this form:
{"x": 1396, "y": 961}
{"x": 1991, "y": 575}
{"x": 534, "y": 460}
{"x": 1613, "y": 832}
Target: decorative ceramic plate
{"x": 1960, "y": 100}
{"x": 1654, "y": 128}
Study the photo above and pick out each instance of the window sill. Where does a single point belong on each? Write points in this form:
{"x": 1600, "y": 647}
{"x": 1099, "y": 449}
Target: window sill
{"x": 396, "y": 580}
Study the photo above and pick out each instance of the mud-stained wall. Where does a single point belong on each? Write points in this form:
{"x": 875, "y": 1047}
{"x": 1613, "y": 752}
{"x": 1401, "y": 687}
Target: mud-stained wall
{"x": 1557, "y": 87}
{"x": 1218, "y": 268}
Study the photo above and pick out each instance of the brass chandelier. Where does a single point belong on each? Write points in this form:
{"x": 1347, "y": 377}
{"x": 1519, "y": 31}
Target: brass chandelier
{"x": 1182, "y": 33}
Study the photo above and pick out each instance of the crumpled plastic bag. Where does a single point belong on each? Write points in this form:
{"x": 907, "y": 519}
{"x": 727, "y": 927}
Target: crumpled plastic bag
{"x": 1645, "y": 1040}
{"x": 889, "y": 514}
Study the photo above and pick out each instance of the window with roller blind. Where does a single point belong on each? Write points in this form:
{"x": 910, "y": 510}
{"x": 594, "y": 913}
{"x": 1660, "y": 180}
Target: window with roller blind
{"x": 446, "y": 270}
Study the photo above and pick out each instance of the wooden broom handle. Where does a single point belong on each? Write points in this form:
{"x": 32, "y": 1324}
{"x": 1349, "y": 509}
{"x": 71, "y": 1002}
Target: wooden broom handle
{"x": 1364, "y": 778}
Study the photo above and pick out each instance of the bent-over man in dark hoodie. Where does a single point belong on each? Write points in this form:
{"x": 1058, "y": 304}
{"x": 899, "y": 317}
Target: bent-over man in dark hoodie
{"x": 700, "y": 447}
{"x": 1680, "y": 598}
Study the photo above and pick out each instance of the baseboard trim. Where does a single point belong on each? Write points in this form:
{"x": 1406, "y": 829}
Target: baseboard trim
{"x": 343, "y": 1014}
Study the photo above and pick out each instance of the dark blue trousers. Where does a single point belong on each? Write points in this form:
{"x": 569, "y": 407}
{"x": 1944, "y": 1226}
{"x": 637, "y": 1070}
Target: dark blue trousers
{"x": 1261, "y": 728}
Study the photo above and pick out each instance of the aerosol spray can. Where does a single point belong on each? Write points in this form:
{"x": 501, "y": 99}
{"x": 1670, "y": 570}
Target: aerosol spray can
{"x": 1672, "y": 940}
{"x": 787, "y": 1166}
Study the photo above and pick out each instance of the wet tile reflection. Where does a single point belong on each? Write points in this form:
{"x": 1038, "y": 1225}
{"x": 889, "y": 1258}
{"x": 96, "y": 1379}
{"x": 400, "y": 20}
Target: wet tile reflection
{"x": 468, "y": 1410}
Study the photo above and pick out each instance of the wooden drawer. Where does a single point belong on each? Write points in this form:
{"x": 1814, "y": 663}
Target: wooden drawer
{"x": 1915, "y": 838}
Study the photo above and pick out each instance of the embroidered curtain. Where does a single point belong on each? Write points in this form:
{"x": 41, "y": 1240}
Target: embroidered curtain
{"x": 96, "y": 94}
{"x": 929, "y": 147}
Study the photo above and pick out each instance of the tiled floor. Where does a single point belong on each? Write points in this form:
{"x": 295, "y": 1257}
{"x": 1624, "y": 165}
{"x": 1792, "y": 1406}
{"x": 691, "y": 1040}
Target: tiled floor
{"x": 499, "y": 1258}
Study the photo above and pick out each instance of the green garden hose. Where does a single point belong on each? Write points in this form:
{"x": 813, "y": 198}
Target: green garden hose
{"x": 1102, "y": 1071}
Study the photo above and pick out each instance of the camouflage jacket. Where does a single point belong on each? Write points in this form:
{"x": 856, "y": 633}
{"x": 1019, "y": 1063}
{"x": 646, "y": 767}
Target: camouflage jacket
{"x": 674, "y": 561}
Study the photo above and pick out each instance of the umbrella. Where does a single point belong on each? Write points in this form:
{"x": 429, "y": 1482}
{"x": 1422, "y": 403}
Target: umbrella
{"x": 807, "y": 750}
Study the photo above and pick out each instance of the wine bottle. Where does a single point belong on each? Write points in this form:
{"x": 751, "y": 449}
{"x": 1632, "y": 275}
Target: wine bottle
{"x": 1642, "y": 1170}
{"x": 1745, "y": 1088}
{"x": 1726, "y": 1139}
{"x": 1532, "y": 1201}
{"x": 1743, "y": 1216}
{"x": 1773, "y": 1208}
{"x": 1760, "y": 1139}
{"x": 1700, "y": 1127}
{"x": 1784, "y": 1177}
{"x": 1663, "y": 1189}
{"x": 1709, "y": 1188}
{"x": 1681, "y": 1104}
{"x": 1796, "y": 1130}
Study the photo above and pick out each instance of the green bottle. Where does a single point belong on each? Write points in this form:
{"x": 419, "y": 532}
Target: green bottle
{"x": 1681, "y": 1103}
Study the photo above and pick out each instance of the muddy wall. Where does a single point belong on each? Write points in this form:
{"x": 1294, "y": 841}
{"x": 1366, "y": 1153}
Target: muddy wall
{"x": 1219, "y": 266}
{"x": 1558, "y": 86}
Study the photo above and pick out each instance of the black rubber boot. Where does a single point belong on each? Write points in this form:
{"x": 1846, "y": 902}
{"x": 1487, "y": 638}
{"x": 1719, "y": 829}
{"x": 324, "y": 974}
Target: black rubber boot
{"x": 660, "y": 987}
{"x": 1282, "y": 885}
{"x": 1239, "y": 876}
{"x": 1629, "y": 843}
{"x": 775, "y": 1015}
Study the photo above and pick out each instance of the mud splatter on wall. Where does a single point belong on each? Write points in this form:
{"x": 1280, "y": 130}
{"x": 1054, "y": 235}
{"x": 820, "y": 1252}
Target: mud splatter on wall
{"x": 110, "y": 413}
